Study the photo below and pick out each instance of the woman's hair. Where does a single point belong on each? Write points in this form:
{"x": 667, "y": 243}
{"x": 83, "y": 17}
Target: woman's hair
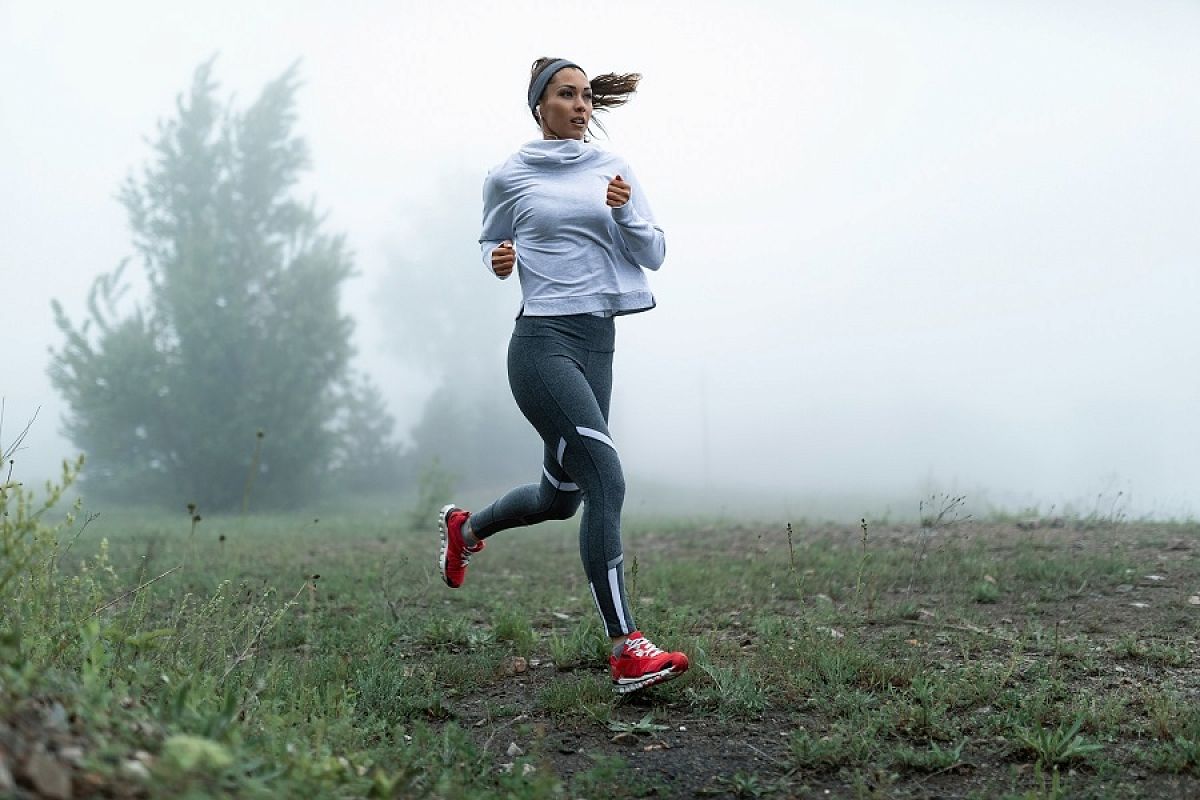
{"x": 608, "y": 90}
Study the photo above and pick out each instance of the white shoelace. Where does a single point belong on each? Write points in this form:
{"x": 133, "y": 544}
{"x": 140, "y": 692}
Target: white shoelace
{"x": 641, "y": 648}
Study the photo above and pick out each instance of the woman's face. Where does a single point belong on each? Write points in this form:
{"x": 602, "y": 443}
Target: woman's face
{"x": 566, "y": 105}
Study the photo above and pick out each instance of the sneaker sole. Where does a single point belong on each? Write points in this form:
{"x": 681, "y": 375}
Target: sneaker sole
{"x": 444, "y": 537}
{"x": 627, "y": 685}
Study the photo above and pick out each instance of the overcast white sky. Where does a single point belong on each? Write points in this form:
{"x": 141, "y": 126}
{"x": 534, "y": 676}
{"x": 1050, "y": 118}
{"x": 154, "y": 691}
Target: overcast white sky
{"x": 911, "y": 246}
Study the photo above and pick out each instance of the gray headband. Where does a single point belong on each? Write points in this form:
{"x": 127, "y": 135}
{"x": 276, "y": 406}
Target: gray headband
{"x": 539, "y": 84}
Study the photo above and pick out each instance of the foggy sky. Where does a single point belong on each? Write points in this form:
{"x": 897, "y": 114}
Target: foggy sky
{"x": 911, "y": 247}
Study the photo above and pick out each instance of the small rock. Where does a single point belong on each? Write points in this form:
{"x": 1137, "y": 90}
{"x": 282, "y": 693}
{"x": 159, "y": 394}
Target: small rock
{"x": 514, "y": 751}
{"x": 6, "y": 778}
{"x": 560, "y": 615}
{"x": 48, "y": 776}
{"x": 925, "y": 613}
{"x": 144, "y": 729}
{"x": 836, "y": 634}
{"x": 1156, "y": 578}
{"x": 528, "y": 769}
{"x": 514, "y": 666}
{"x": 1140, "y": 605}
{"x": 56, "y": 716}
{"x": 72, "y": 755}
{"x": 989, "y": 579}
{"x": 624, "y": 737}
{"x": 656, "y": 746}
{"x": 506, "y": 768}
{"x": 683, "y": 727}
{"x": 1194, "y": 599}
{"x": 136, "y": 770}
{"x": 1124, "y": 587}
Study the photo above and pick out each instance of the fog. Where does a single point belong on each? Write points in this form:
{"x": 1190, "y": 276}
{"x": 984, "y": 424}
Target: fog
{"x": 911, "y": 247}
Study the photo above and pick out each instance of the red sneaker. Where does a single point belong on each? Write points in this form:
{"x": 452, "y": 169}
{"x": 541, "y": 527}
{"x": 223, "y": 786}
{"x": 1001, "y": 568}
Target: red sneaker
{"x": 454, "y": 555}
{"x": 641, "y": 664}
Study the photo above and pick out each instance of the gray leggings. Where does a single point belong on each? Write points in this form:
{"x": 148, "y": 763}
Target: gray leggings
{"x": 560, "y": 371}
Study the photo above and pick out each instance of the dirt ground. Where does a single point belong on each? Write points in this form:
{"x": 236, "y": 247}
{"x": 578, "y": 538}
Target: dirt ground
{"x": 700, "y": 755}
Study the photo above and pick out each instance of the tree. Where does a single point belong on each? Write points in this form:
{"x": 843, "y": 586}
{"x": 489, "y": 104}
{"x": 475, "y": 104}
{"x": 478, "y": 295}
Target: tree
{"x": 366, "y": 457}
{"x": 231, "y": 375}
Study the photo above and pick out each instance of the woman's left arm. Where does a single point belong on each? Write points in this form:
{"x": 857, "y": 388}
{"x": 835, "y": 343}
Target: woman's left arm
{"x": 635, "y": 221}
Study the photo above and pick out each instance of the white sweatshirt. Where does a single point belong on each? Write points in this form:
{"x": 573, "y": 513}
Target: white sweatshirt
{"x": 575, "y": 255}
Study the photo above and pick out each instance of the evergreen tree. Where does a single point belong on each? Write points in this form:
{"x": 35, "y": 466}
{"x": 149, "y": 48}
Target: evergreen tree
{"x": 366, "y": 457}
{"x": 230, "y": 377}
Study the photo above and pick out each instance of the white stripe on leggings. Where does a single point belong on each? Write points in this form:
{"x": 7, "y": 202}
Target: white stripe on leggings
{"x": 562, "y": 447}
{"x": 615, "y": 587}
{"x": 597, "y": 435}
{"x": 566, "y": 487}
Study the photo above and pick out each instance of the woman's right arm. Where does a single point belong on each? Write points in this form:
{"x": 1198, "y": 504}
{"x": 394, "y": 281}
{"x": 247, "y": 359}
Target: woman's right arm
{"x": 495, "y": 241}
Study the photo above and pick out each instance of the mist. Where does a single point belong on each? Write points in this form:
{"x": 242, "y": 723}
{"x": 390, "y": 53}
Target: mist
{"x": 911, "y": 248}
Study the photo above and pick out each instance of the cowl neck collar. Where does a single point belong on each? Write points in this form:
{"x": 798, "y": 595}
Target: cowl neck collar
{"x": 557, "y": 152}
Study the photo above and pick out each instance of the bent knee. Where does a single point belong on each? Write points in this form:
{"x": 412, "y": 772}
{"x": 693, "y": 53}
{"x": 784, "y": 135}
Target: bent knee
{"x": 564, "y": 505}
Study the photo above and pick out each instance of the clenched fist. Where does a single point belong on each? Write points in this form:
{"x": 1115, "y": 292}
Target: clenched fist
{"x": 618, "y": 192}
{"x": 503, "y": 259}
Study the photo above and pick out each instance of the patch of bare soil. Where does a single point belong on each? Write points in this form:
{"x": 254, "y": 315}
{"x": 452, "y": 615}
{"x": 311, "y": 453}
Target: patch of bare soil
{"x": 692, "y": 757}
{"x": 702, "y": 755}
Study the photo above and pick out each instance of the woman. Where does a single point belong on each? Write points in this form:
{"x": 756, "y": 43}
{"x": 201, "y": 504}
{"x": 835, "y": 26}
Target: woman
{"x": 575, "y": 224}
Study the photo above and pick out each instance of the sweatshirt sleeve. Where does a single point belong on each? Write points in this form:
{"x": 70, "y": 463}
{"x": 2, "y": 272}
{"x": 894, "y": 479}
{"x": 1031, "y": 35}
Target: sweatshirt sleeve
{"x": 497, "y": 217}
{"x": 635, "y": 221}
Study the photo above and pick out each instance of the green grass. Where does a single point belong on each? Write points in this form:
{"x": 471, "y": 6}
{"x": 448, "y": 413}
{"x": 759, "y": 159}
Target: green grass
{"x": 297, "y": 655}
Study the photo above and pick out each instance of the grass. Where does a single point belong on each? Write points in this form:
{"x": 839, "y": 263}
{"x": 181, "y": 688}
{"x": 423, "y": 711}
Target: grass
{"x": 293, "y": 655}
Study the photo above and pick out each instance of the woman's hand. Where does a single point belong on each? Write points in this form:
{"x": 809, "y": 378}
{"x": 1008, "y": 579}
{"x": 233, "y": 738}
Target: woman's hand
{"x": 618, "y": 192}
{"x": 503, "y": 259}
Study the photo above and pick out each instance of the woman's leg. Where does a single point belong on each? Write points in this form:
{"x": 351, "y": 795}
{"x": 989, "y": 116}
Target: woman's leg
{"x": 555, "y": 392}
{"x": 555, "y": 496}
{"x": 563, "y": 388}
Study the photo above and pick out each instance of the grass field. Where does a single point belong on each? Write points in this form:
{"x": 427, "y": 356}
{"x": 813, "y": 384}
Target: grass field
{"x": 294, "y": 656}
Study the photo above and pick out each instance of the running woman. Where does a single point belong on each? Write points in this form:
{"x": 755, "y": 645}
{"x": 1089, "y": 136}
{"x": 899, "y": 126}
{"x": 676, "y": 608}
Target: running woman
{"x": 574, "y": 223}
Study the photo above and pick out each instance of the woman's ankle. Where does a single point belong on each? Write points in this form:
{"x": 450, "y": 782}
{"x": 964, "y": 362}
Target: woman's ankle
{"x": 468, "y": 534}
